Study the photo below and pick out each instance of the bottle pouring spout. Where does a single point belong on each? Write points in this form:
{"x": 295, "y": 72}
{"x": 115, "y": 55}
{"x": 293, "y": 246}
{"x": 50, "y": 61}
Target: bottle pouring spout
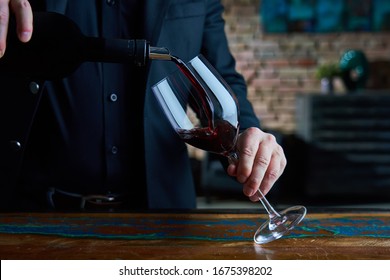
{"x": 159, "y": 53}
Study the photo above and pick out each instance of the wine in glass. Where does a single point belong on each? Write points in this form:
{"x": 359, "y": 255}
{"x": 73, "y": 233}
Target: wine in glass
{"x": 214, "y": 127}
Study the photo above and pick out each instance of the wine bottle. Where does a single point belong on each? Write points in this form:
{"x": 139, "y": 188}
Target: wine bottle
{"x": 58, "y": 47}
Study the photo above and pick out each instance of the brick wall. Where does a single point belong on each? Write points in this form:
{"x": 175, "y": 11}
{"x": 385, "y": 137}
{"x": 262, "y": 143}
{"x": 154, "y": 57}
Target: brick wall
{"x": 277, "y": 67}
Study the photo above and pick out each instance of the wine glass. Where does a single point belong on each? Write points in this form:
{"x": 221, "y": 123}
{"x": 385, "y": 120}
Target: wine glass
{"x": 213, "y": 126}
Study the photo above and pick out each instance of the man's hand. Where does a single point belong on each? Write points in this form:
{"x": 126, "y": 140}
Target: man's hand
{"x": 261, "y": 162}
{"x": 24, "y": 21}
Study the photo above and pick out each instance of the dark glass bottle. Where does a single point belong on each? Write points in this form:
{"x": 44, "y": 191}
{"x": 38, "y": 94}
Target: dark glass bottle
{"x": 58, "y": 47}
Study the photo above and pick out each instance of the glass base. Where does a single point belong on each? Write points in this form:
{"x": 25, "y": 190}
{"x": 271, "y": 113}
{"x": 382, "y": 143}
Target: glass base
{"x": 290, "y": 217}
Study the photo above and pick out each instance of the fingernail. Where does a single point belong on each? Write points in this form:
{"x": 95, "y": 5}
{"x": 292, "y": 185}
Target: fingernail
{"x": 25, "y": 36}
{"x": 248, "y": 191}
{"x": 241, "y": 179}
{"x": 1, "y": 53}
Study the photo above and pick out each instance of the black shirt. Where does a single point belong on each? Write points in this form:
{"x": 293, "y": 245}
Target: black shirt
{"x": 88, "y": 133}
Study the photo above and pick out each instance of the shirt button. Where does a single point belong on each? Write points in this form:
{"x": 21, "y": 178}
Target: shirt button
{"x": 15, "y": 145}
{"x": 113, "y": 97}
{"x": 34, "y": 87}
{"x": 114, "y": 150}
{"x": 111, "y": 2}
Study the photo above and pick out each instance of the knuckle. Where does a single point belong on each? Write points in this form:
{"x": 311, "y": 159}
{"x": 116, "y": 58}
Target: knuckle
{"x": 262, "y": 161}
{"x": 283, "y": 163}
{"x": 280, "y": 154}
{"x": 4, "y": 17}
{"x": 247, "y": 152}
{"x": 273, "y": 175}
{"x": 253, "y": 130}
{"x": 20, "y": 4}
{"x": 253, "y": 183}
{"x": 270, "y": 138}
{"x": 279, "y": 150}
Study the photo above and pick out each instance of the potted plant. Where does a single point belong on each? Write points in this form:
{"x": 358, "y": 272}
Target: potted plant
{"x": 326, "y": 73}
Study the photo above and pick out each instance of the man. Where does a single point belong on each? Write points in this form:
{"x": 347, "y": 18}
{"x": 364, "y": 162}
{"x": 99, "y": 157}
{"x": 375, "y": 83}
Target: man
{"x": 98, "y": 137}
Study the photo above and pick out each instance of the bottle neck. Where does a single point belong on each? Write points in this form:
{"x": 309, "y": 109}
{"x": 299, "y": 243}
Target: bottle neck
{"x": 116, "y": 50}
{"x": 138, "y": 52}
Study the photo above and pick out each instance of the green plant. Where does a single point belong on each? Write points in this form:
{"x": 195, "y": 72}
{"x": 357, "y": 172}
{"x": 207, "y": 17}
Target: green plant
{"x": 329, "y": 70}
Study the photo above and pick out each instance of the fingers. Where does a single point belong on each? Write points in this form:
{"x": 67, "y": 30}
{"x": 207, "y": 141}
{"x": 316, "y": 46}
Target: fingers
{"x": 24, "y": 21}
{"x": 262, "y": 162}
{"x": 4, "y": 18}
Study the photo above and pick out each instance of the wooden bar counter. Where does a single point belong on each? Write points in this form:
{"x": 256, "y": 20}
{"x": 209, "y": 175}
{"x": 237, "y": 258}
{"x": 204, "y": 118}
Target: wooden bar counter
{"x": 357, "y": 234}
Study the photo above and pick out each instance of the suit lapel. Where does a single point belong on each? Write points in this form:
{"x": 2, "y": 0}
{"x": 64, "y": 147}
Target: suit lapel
{"x": 58, "y": 6}
{"x": 155, "y": 11}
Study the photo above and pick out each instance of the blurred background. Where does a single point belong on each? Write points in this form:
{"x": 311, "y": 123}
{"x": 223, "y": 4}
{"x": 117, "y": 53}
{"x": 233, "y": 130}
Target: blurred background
{"x": 318, "y": 74}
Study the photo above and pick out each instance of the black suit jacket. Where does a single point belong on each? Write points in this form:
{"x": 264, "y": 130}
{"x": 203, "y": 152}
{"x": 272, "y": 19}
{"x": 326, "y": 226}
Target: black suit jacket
{"x": 187, "y": 28}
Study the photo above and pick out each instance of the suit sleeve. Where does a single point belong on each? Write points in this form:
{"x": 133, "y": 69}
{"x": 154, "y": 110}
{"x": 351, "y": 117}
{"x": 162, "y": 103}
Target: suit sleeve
{"x": 216, "y": 49}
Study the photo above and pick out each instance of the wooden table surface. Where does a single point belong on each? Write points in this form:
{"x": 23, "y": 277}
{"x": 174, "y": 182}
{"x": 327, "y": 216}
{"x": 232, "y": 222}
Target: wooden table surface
{"x": 358, "y": 234}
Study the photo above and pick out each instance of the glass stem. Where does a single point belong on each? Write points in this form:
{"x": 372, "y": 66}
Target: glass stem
{"x": 275, "y": 218}
{"x": 267, "y": 206}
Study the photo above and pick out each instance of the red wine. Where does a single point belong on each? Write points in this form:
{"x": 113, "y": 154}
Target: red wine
{"x": 205, "y": 102}
{"x": 218, "y": 135}
{"x": 221, "y": 139}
